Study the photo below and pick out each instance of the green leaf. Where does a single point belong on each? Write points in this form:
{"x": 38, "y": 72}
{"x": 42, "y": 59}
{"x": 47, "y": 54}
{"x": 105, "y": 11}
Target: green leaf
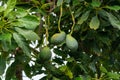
{"x": 96, "y": 3}
{"x": 86, "y": 77}
{"x": 5, "y": 45}
{"x": 1, "y": 8}
{"x": 54, "y": 78}
{"x": 67, "y": 71}
{"x": 21, "y": 12}
{"x": 67, "y": 1}
{"x": 103, "y": 69}
{"x": 10, "y": 6}
{"x": 21, "y": 44}
{"x": 84, "y": 17}
{"x": 59, "y": 2}
{"x": 63, "y": 68}
{"x": 27, "y": 70}
{"x": 113, "y": 75}
{"x": 46, "y": 5}
{"x": 28, "y": 34}
{"x": 6, "y": 37}
{"x": 29, "y": 22}
{"x": 94, "y": 23}
{"x": 70, "y": 59}
{"x": 79, "y": 78}
{"x": 6, "y": 41}
{"x": 115, "y": 7}
{"x": 2, "y": 65}
{"x": 10, "y": 71}
{"x": 92, "y": 66}
{"x": 114, "y": 21}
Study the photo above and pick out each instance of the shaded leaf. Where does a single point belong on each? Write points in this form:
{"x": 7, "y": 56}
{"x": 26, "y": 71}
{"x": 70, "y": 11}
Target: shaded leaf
{"x": 96, "y": 3}
{"x": 84, "y": 17}
{"x": 27, "y": 70}
{"x": 28, "y": 34}
{"x": 2, "y": 65}
{"x": 10, "y": 71}
{"x": 86, "y": 77}
{"x": 92, "y": 66}
{"x": 113, "y": 20}
{"x": 67, "y": 1}
{"x": 5, "y": 45}
{"x": 6, "y": 41}
{"x": 21, "y": 44}
{"x": 10, "y": 6}
{"x": 78, "y": 78}
{"x": 94, "y": 23}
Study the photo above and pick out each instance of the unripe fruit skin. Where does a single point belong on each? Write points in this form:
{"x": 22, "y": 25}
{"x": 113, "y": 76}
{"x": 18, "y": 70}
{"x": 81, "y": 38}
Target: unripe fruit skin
{"x": 45, "y": 53}
{"x": 71, "y": 43}
{"x": 58, "y": 38}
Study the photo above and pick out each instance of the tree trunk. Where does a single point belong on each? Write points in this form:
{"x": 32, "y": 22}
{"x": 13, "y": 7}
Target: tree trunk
{"x": 19, "y": 72}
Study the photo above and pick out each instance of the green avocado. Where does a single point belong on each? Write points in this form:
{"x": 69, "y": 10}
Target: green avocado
{"x": 45, "y": 53}
{"x": 58, "y": 38}
{"x": 71, "y": 43}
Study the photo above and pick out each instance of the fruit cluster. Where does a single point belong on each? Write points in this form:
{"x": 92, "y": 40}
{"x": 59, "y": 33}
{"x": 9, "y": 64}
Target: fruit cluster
{"x": 70, "y": 41}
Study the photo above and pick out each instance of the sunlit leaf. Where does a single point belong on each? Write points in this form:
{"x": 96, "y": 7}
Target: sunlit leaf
{"x": 67, "y": 71}
{"x": 113, "y": 20}
{"x": 19, "y": 40}
{"x": 113, "y": 75}
{"x": 115, "y": 7}
{"x": 28, "y": 34}
{"x": 84, "y": 17}
{"x": 94, "y": 23}
{"x": 103, "y": 69}
{"x": 59, "y": 2}
{"x": 21, "y": 12}
{"x": 6, "y": 37}
{"x": 29, "y": 22}
{"x": 44, "y": 6}
{"x": 1, "y": 8}
{"x": 10, "y": 6}
{"x": 54, "y": 78}
{"x": 70, "y": 59}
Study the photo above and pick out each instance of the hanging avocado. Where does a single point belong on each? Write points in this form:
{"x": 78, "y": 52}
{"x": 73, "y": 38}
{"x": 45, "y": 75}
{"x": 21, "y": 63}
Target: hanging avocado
{"x": 58, "y": 38}
{"x": 45, "y": 54}
{"x": 71, "y": 43}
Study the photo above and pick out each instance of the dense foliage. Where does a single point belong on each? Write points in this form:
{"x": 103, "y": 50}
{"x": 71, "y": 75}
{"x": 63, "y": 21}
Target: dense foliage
{"x": 84, "y": 35}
